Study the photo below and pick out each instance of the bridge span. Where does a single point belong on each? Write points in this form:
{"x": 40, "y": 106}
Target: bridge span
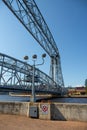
{"x": 17, "y": 75}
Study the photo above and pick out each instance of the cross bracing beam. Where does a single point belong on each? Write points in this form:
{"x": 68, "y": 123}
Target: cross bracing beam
{"x": 30, "y": 16}
{"x": 18, "y": 74}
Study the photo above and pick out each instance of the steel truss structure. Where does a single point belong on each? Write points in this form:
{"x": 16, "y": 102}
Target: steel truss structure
{"x": 18, "y": 74}
{"x": 30, "y": 16}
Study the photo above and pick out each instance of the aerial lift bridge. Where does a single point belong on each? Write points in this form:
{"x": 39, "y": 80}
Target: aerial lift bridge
{"x": 28, "y": 13}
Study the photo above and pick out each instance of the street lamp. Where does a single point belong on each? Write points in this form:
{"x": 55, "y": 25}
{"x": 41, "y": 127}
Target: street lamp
{"x": 26, "y": 57}
{"x": 34, "y": 57}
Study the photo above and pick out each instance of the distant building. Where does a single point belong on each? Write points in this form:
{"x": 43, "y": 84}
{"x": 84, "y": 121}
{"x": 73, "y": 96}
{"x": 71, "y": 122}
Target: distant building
{"x": 77, "y": 91}
{"x": 81, "y": 90}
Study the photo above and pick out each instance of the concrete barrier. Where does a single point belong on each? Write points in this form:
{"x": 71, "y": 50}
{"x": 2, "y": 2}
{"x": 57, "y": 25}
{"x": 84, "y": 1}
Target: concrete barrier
{"x": 69, "y": 111}
{"x": 47, "y": 111}
{"x": 16, "y": 108}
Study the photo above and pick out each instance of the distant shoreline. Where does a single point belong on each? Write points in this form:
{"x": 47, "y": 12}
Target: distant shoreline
{"x": 75, "y": 96}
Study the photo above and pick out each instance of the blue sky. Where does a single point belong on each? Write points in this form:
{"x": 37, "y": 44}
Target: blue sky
{"x": 67, "y": 21}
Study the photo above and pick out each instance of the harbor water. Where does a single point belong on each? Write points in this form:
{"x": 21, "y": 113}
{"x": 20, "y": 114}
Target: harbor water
{"x": 6, "y": 97}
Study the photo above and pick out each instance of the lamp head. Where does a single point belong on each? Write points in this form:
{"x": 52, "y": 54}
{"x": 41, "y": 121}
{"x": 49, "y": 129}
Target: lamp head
{"x": 34, "y": 56}
{"x": 26, "y": 57}
{"x": 43, "y": 55}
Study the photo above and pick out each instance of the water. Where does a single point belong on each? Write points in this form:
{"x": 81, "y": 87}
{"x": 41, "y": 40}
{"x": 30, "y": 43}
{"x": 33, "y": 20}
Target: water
{"x": 70, "y": 100}
{"x": 6, "y": 97}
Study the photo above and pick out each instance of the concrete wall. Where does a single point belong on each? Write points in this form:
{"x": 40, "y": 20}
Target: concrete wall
{"x": 16, "y": 108}
{"x": 55, "y": 111}
{"x": 69, "y": 111}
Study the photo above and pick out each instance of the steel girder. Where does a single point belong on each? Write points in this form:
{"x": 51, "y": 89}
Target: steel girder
{"x": 30, "y": 16}
{"x": 18, "y": 74}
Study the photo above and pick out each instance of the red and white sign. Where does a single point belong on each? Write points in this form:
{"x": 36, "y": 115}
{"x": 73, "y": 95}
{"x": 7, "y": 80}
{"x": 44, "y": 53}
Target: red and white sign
{"x": 44, "y": 108}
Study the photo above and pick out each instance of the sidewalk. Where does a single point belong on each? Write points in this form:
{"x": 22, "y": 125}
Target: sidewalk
{"x": 14, "y": 122}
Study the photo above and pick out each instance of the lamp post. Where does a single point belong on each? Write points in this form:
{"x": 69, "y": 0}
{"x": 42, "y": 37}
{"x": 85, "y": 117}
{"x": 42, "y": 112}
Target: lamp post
{"x": 34, "y": 57}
